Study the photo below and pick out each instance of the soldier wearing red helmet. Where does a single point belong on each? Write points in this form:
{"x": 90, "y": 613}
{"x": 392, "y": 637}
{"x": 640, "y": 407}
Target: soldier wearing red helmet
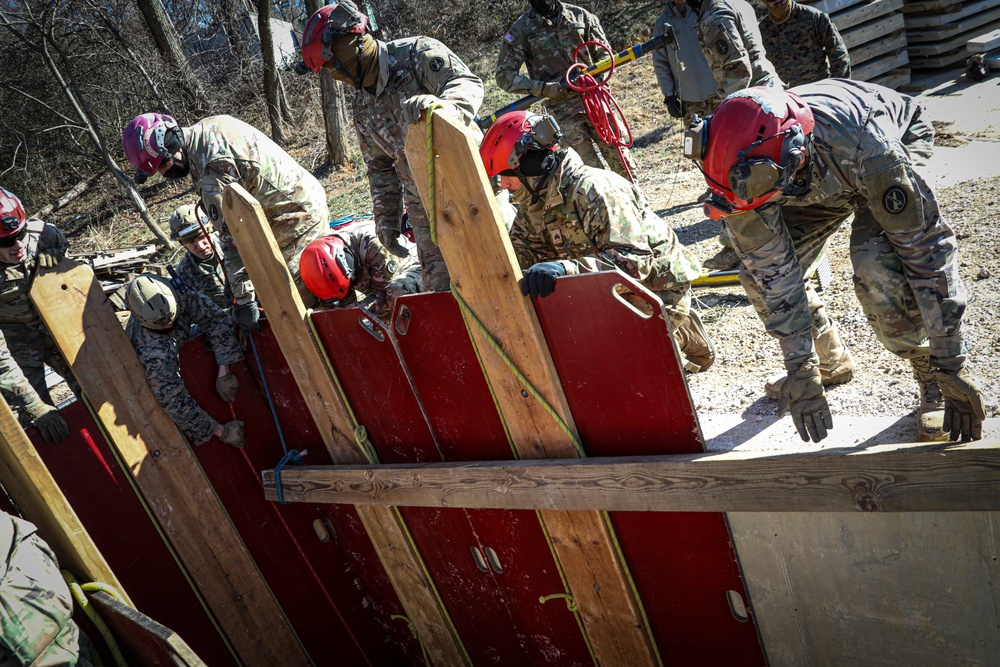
{"x": 786, "y": 170}
{"x": 25, "y": 246}
{"x": 395, "y": 83}
{"x": 576, "y": 218}
{"x": 336, "y": 268}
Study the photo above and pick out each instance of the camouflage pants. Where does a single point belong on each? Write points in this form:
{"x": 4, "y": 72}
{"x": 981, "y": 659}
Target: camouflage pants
{"x": 582, "y": 137}
{"x": 410, "y": 282}
{"x": 35, "y": 605}
{"x": 32, "y": 347}
{"x": 701, "y": 109}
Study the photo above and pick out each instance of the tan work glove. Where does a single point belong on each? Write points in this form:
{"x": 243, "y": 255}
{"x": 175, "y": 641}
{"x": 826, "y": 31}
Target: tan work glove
{"x": 964, "y": 410}
{"x": 412, "y": 109}
{"x": 389, "y": 238}
{"x": 555, "y": 91}
{"x": 226, "y": 387}
{"x": 232, "y": 434}
{"x": 50, "y": 257}
{"x": 802, "y": 395}
{"x": 48, "y": 420}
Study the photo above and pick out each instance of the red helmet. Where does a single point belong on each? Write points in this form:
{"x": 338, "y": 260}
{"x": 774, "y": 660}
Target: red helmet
{"x": 145, "y": 141}
{"x": 12, "y": 217}
{"x": 324, "y": 27}
{"x": 512, "y": 135}
{"x": 327, "y": 267}
{"x": 755, "y": 142}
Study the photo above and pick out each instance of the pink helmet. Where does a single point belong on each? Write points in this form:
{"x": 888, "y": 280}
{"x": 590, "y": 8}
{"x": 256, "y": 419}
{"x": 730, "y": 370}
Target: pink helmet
{"x": 144, "y": 140}
{"x": 12, "y": 217}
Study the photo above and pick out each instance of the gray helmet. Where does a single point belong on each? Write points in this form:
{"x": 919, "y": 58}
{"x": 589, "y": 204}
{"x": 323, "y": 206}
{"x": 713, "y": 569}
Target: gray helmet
{"x": 189, "y": 222}
{"x": 152, "y": 300}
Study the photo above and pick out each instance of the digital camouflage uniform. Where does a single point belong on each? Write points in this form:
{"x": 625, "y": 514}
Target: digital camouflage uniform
{"x": 224, "y": 150}
{"x": 380, "y": 276}
{"x": 206, "y": 276}
{"x": 409, "y": 67}
{"x": 730, "y": 39}
{"x": 811, "y": 48}
{"x": 30, "y": 344}
{"x": 866, "y": 155}
{"x": 593, "y": 220}
{"x": 684, "y": 72}
{"x": 16, "y": 389}
{"x": 36, "y": 609}
{"x": 545, "y": 47}
{"x": 159, "y": 353}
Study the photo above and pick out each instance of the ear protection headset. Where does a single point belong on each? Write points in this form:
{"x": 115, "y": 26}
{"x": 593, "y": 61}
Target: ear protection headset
{"x": 544, "y": 133}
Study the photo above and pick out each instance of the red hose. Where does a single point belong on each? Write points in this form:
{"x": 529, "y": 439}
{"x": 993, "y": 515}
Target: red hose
{"x": 603, "y": 110}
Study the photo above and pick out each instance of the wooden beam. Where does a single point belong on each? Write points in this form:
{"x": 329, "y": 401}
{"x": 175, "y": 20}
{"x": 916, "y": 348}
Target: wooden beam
{"x": 31, "y": 485}
{"x": 146, "y": 642}
{"x": 287, "y": 315}
{"x": 75, "y": 310}
{"x": 484, "y": 271}
{"x": 908, "y": 478}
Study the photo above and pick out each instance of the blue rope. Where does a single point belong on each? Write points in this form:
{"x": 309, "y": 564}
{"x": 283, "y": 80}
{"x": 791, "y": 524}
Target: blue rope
{"x": 340, "y": 222}
{"x": 292, "y": 456}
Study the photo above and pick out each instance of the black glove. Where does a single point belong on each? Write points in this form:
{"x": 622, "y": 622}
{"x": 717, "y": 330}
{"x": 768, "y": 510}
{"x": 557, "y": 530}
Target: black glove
{"x": 802, "y": 395}
{"x": 389, "y": 238}
{"x": 540, "y": 279}
{"x": 49, "y": 257}
{"x": 673, "y": 106}
{"x": 964, "y": 410}
{"x": 248, "y": 316}
{"x": 48, "y": 420}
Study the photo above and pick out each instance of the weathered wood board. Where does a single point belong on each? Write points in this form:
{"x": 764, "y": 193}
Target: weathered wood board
{"x": 956, "y": 14}
{"x": 145, "y": 641}
{"x": 950, "y": 30}
{"x": 872, "y": 30}
{"x": 865, "y": 12}
{"x": 880, "y": 65}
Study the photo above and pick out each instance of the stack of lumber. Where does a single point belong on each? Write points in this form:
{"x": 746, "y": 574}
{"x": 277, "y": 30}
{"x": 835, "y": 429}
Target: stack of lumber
{"x": 937, "y": 31}
{"x": 875, "y": 35}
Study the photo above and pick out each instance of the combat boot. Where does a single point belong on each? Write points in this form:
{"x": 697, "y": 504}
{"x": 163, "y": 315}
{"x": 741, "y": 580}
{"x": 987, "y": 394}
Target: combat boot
{"x": 835, "y": 363}
{"x": 724, "y": 260}
{"x": 930, "y": 412}
{"x": 694, "y": 344}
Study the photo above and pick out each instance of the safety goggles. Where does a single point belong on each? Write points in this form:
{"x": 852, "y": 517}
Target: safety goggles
{"x": 9, "y": 241}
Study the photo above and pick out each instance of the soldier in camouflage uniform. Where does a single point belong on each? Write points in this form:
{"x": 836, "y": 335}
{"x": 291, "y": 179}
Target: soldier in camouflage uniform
{"x": 36, "y": 608}
{"x": 221, "y": 150}
{"x": 165, "y": 315}
{"x": 683, "y": 73}
{"x": 200, "y": 267}
{"x": 336, "y": 268}
{"x": 810, "y": 45}
{"x": 581, "y": 219}
{"x": 831, "y": 150}
{"x": 395, "y": 83}
{"x": 25, "y": 246}
{"x": 543, "y": 40}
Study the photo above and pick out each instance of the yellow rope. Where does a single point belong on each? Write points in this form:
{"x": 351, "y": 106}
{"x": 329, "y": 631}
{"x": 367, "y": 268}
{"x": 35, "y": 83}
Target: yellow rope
{"x": 431, "y": 200}
{"x": 570, "y": 602}
{"x": 413, "y": 631}
{"x": 84, "y": 603}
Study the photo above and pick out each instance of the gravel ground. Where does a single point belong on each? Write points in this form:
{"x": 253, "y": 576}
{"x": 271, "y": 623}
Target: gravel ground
{"x": 883, "y": 385}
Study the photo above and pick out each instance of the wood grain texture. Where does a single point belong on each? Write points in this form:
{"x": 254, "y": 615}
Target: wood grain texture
{"x": 484, "y": 271}
{"x": 36, "y": 492}
{"x": 85, "y": 327}
{"x": 288, "y": 318}
{"x": 913, "y": 478}
{"x": 147, "y": 642}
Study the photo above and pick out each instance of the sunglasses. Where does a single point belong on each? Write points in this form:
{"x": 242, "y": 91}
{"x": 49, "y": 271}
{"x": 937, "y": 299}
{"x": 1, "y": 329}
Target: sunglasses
{"x": 9, "y": 241}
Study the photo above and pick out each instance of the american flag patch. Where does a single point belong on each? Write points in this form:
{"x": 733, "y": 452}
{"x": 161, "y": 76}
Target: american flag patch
{"x": 509, "y": 37}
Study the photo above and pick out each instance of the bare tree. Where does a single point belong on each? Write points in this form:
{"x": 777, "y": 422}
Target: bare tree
{"x": 170, "y": 47}
{"x": 334, "y": 108}
{"x": 270, "y": 71}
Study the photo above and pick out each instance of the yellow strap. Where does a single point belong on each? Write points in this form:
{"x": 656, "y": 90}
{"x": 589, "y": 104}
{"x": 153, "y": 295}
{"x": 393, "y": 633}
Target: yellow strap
{"x": 431, "y": 201}
{"x": 84, "y": 603}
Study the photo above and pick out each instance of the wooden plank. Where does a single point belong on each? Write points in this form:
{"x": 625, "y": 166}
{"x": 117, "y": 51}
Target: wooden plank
{"x": 31, "y": 485}
{"x": 944, "y": 60}
{"x": 881, "y": 65}
{"x": 893, "y": 79}
{"x": 866, "y": 12}
{"x": 943, "y": 18}
{"x": 870, "y": 30}
{"x": 288, "y": 317}
{"x": 73, "y": 306}
{"x": 949, "y": 46}
{"x": 831, "y": 6}
{"x": 879, "y": 47}
{"x": 147, "y": 642}
{"x": 484, "y": 271}
{"x": 945, "y": 32}
{"x": 907, "y": 478}
{"x": 918, "y": 6}
{"x": 985, "y": 43}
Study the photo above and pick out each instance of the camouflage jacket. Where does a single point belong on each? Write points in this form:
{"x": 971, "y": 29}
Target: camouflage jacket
{"x": 682, "y": 72}
{"x": 595, "y": 219}
{"x": 206, "y": 276}
{"x": 810, "y": 46}
{"x": 224, "y": 150}
{"x": 16, "y": 280}
{"x": 545, "y": 47}
{"x": 159, "y": 353}
{"x": 407, "y": 67}
{"x": 375, "y": 268}
{"x": 14, "y": 386}
{"x": 730, "y": 39}
{"x": 862, "y": 154}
